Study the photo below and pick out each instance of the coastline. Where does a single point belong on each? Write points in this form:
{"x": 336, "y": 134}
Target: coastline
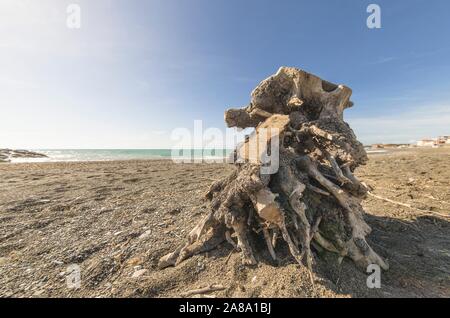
{"x": 112, "y": 155}
{"x": 99, "y": 155}
{"x": 7, "y": 155}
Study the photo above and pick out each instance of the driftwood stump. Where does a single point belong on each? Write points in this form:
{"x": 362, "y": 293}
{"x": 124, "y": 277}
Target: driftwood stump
{"x": 312, "y": 197}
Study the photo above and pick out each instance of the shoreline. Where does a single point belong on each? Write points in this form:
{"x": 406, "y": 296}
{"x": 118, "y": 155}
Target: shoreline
{"x": 26, "y": 162}
{"x": 7, "y": 155}
{"x": 95, "y": 155}
{"x": 193, "y": 160}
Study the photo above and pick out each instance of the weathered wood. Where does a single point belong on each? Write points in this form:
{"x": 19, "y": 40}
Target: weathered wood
{"x": 204, "y": 290}
{"x": 266, "y": 134}
{"x": 266, "y": 206}
{"x": 312, "y": 198}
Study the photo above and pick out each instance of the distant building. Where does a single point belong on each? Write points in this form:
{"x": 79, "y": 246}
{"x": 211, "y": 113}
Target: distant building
{"x": 443, "y": 140}
{"x": 427, "y": 142}
{"x": 390, "y": 146}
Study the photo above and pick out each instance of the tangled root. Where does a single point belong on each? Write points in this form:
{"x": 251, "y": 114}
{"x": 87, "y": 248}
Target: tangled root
{"x": 312, "y": 199}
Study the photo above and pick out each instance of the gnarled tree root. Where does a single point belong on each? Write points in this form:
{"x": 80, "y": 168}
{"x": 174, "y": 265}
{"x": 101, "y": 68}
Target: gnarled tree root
{"x": 285, "y": 209}
{"x": 312, "y": 199}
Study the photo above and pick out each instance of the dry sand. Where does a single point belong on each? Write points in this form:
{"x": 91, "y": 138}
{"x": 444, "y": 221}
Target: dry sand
{"x": 115, "y": 219}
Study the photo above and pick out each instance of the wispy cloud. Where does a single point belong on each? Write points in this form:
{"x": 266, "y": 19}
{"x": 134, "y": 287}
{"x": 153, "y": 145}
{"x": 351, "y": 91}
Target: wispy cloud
{"x": 424, "y": 121}
{"x": 383, "y": 60}
{"x": 429, "y": 53}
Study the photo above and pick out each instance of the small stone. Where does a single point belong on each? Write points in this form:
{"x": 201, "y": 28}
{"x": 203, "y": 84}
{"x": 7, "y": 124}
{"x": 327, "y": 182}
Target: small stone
{"x": 138, "y": 273}
{"x": 175, "y": 211}
{"x": 145, "y": 234}
{"x": 135, "y": 261}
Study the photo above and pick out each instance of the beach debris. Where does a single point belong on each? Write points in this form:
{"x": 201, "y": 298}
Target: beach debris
{"x": 204, "y": 290}
{"x": 39, "y": 293}
{"x": 424, "y": 211}
{"x": 138, "y": 273}
{"x": 175, "y": 211}
{"x": 311, "y": 198}
{"x": 145, "y": 235}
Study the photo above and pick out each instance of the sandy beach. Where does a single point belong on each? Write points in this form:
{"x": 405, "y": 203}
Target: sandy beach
{"x": 116, "y": 219}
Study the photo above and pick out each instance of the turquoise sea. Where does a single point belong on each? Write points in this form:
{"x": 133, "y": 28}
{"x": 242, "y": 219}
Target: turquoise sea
{"x": 61, "y": 155}
{"x": 58, "y": 155}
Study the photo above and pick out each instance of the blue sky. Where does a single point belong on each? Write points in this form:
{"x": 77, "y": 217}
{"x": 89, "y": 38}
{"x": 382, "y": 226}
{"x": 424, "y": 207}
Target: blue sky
{"x": 138, "y": 69}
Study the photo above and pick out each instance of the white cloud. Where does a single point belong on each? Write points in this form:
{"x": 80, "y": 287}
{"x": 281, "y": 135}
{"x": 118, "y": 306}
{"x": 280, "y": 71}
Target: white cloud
{"x": 424, "y": 121}
{"x": 383, "y": 60}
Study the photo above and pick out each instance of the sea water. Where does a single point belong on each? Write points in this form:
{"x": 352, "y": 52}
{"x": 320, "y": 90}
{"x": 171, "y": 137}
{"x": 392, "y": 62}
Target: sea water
{"x": 67, "y": 155}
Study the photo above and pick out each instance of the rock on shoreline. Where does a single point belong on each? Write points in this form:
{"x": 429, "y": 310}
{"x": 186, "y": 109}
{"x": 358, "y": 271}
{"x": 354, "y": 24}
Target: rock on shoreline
{"x": 7, "y": 154}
